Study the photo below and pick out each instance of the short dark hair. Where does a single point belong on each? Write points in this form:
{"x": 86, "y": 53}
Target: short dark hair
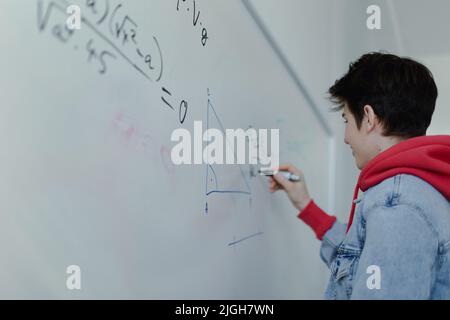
{"x": 401, "y": 91}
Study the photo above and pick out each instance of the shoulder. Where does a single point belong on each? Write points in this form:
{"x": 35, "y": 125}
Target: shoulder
{"x": 410, "y": 195}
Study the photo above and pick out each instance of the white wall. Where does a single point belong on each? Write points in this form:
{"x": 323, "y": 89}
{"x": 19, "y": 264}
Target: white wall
{"x": 86, "y": 175}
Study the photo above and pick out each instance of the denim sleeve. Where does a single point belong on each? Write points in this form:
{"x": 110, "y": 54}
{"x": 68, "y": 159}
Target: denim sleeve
{"x": 398, "y": 257}
{"x": 331, "y": 241}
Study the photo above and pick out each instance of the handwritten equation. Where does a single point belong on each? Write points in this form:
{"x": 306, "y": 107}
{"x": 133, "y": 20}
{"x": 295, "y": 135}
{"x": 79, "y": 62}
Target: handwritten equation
{"x": 114, "y": 35}
{"x": 184, "y": 5}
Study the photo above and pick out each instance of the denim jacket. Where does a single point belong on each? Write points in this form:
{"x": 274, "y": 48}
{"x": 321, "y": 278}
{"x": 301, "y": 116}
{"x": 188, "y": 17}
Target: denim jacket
{"x": 398, "y": 246}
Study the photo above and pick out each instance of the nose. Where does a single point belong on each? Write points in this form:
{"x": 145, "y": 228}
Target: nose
{"x": 346, "y": 141}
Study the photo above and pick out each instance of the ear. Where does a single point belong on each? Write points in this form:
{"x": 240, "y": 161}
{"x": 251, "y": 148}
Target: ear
{"x": 370, "y": 118}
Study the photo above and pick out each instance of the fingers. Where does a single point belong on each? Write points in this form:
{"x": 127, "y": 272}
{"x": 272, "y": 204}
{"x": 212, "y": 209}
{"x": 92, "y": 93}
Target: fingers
{"x": 273, "y": 185}
{"x": 289, "y": 167}
{"x": 279, "y": 182}
{"x": 282, "y": 181}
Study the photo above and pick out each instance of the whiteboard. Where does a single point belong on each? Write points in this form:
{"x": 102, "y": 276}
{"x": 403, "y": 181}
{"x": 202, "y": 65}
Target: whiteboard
{"x": 86, "y": 175}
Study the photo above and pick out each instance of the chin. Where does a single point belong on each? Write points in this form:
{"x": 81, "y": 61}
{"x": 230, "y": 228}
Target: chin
{"x": 359, "y": 164}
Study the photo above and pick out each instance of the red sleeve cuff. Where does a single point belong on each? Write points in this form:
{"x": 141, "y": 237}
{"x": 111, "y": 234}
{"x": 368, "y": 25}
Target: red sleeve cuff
{"x": 317, "y": 219}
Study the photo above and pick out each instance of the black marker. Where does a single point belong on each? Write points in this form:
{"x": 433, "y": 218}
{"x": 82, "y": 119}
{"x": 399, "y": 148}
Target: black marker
{"x": 288, "y": 175}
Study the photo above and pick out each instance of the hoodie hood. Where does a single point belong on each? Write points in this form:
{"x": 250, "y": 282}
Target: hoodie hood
{"x": 426, "y": 157}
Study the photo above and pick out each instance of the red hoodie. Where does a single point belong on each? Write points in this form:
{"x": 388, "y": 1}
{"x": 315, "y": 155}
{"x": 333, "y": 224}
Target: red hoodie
{"x": 426, "y": 157}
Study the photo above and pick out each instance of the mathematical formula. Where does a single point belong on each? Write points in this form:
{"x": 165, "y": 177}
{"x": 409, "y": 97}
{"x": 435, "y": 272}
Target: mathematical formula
{"x": 113, "y": 35}
{"x": 184, "y": 5}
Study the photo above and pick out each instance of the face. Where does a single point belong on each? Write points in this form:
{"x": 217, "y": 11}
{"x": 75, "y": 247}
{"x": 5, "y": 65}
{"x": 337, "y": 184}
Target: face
{"x": 361, "y": 141}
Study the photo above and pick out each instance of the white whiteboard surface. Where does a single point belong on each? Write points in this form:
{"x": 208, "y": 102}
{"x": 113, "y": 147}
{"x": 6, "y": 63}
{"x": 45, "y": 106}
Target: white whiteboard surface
{"x": 86, "y": 175}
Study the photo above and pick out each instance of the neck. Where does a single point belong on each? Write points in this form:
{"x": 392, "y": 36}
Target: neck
{"x": 387, "y": 142}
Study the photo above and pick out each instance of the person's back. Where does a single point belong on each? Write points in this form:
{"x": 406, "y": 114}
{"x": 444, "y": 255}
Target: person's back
{"x": 405, "y": 223}
{"x": 396, "y": 244}
{"x": 430, "y": 245}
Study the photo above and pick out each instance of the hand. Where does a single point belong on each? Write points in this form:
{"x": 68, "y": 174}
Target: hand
{"x": 297, "y": 192}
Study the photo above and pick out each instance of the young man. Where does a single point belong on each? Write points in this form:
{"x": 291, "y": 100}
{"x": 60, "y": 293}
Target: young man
{"x": 396, "y": 244}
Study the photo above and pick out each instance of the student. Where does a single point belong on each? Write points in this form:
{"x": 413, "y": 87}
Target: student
{"x": 396, "y": 244}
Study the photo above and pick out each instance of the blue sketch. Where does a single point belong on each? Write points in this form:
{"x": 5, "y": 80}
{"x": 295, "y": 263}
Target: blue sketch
{"x": 212, "y": 178}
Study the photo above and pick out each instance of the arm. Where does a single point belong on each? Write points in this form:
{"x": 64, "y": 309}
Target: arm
{"x": 403, "y": 245}
{"x": 327, "y": 229}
